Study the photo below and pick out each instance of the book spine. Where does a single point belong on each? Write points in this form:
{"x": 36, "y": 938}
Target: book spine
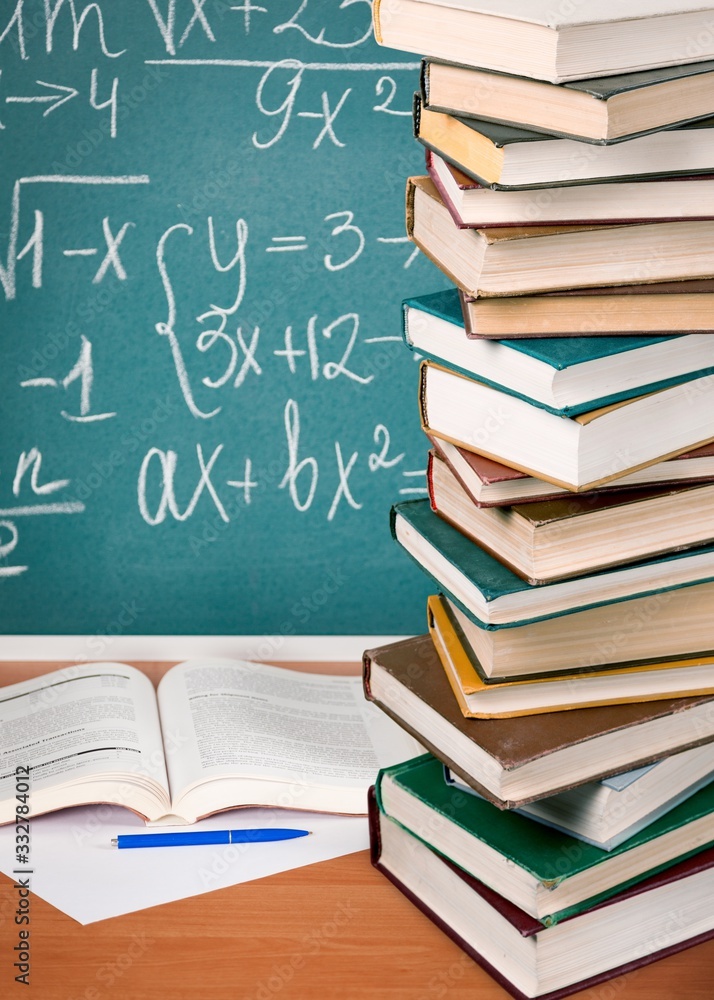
{"x": 423, "y": 415}
{"x": 416, "y": 114}
{"x": 430, "y": 481}
{"x": 411, "y": 187}
{"x": 405, "y": 326}
{"x": 373, "y": 812}
{"x": 424, "y": 80}
{"x": 376, "y": 21}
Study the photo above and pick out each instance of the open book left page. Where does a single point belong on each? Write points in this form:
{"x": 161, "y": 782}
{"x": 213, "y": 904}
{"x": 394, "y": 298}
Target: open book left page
{"x": 229, "y": 733}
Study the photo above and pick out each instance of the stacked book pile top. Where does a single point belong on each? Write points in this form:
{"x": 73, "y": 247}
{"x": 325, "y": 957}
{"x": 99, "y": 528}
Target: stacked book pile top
{"x": 565, "y": 689}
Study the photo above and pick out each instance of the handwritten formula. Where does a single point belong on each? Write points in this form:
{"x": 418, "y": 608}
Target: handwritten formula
{"x": 206, "y": 402}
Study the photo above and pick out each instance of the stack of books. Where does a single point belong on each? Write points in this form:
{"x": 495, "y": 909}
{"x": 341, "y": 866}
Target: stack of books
{"x": 564, "y": 815}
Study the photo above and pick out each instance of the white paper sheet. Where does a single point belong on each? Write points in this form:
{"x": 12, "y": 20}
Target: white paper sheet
{"x": 76, "y": 869}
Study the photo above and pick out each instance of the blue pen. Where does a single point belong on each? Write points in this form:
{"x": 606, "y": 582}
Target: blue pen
{"x": 260, "y": 836}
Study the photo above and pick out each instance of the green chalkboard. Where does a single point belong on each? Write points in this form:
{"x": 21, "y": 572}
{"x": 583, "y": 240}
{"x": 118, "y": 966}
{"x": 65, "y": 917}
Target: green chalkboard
{"x": 206, "y": 411}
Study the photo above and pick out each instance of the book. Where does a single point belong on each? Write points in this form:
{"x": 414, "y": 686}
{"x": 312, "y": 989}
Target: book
{"x": 489, "y": 483}
{"x": 662, "y": 626}
{"x": 570, "y": 536}
{"x": 547, "y": 874}
{"x": 578, "y": 452}
{"x": 493, "y": 593}
{"x": 479, "y": 697}
{"x": 514, "y": 761}
{"x": 606, "y": 813}
{"x": 612, "y": 940}
{"x": 661, "y": 307}
{"x": 472, "y": 205}
{"x": 510, "y": 159}
{"x": 602, "y": 109}
{"x": 536, "y": 39}
{"x": 521, "y": 260}
{"x": 567, "y": 375}
{"x": 217, "y": 734}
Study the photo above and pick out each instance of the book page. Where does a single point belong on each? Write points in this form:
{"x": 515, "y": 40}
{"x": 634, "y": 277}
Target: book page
{"x": 76, "y": 723}
{"x": 226, "y": 717}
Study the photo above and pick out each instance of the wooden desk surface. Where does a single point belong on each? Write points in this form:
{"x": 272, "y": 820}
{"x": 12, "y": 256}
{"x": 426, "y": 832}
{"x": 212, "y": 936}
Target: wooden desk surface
{"x": 336, "y": 929}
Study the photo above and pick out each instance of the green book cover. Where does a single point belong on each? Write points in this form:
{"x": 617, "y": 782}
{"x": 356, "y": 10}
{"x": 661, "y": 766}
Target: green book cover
{"x": 549, "y": 856}
{"x": 560, "y": 354}
{"x": 495, "y": 581}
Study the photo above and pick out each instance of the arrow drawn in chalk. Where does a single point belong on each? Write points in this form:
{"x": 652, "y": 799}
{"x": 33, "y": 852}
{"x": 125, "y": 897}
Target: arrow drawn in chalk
{"x": 61, "y": 96}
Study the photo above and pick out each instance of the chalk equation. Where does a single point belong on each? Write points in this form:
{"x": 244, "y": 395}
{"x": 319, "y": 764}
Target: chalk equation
{"x": 202, "y": 259}
{"x": 280, "y": 96}
{"x": 318, "y": 349}
{"x": 31, "y": 496}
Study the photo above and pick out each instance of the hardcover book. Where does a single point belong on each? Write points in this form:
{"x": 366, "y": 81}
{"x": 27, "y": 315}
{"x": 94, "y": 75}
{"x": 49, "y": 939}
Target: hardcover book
{"x": 480, "y": 697}
{"x": 490, "y": 483}
{"x": 566, "y": 375}
{"x": 557, "y": 43}
{"x": 548, "y": 874}
{"x": 667, "y": 625}
{"x": 663, "y": 307}
{"x": 602, "y": 110}
{"x": 578, "y": 452}
{"x": 528, "y": 959}
{"x": 497, "y": 596}
{"x": 507, "y": 158}
{"x": 571, "y": 536}
{"x": 608, "y": 812}
{"x": 523, "y": 260}
{"x": 473, "y": 206}
{"x": 514, "y": 761}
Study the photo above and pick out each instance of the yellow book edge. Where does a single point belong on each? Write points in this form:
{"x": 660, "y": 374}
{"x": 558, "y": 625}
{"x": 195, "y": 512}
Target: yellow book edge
{"x": 464, "y": 678}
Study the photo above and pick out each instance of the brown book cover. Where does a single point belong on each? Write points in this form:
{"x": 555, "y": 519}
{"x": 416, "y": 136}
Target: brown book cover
{"x": 675, "y": 307}
{"x": 528, "y": 926}
{"x": 557, "y": 538}
{"x": 490, "y": 472}
{"x": 511, "y": 744}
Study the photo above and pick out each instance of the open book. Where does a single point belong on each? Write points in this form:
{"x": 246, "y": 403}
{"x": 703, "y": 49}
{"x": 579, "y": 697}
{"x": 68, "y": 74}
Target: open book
{"x": 216, "y": 735}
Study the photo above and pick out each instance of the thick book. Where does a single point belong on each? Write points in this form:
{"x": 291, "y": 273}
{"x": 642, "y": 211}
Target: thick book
{"x": 514, "y": 761}
{"x": 548, "y": 874}
{"x": 523, "y": 260}
{"x": 474, "y": 206}
{"x": 206, "y": 741}
{"x": 570, "y": 536}
{"x": 667, "y": 625}
{"x": 601, "y": 110}
{"x": 492, "y": 484}
{"x": 536, "y": 38}
{"x": 528, "y": 960}
{"x": 496, "y": 595}
{"x": 663, "y": 307}
{"x": 608, "y": 812}
{"x": 480, "y": 697}
{"x": 579, "y": 452}
{"x": 567, "y": 375}
{"x": 511, "y": 159}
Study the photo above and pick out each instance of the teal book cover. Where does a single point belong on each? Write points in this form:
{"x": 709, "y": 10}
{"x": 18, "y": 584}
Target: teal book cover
{"x": 549, "y": 856}
{"x": 560, "y": 354}
{"x": 496, "y": 582}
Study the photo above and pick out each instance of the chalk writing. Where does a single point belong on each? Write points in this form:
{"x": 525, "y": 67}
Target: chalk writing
{"x": 201, "y": 242}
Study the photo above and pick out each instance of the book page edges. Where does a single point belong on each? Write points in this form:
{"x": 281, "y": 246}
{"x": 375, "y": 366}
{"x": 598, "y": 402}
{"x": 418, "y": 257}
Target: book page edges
{"x": 376, "y": 22}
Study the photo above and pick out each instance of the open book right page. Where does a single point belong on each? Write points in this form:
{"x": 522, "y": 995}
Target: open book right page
{"x": 239, "y": 733}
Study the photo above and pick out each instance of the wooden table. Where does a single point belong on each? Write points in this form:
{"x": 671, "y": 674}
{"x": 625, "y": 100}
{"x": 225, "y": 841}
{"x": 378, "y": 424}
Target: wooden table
{"x": 332, "y": 930}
